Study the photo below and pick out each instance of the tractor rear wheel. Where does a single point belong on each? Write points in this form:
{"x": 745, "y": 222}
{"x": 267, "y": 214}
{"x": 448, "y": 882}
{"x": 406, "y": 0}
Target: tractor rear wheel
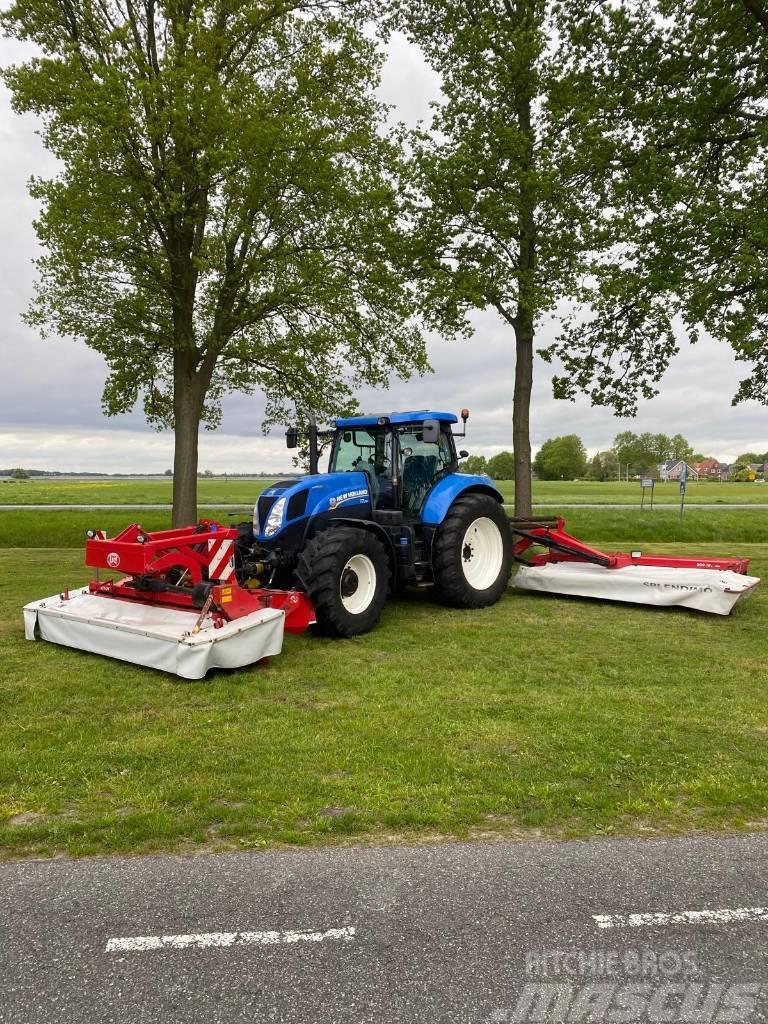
{"x": 346, "y": 574}
{"x": 472, "y": 552}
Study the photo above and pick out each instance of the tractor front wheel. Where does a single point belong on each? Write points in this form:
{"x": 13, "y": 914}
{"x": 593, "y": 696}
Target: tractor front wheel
{"x": 346, "y": 574}
{"x": 472, "y": 552}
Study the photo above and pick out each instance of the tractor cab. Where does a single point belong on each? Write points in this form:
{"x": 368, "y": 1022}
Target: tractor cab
{"x": 402, "y": 455}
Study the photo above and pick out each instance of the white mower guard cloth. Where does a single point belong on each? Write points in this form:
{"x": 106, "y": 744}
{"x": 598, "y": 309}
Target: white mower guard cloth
{"x": 152, "y": 635}
{"x": 705, "y": 590}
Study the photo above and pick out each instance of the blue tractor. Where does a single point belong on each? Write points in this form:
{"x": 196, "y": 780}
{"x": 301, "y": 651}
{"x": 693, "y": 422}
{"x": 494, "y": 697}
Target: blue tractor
{"x": 391, "y": 511}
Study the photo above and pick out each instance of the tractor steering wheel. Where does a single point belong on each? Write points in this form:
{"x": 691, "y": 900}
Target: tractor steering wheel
{"x": 379, "y": 467}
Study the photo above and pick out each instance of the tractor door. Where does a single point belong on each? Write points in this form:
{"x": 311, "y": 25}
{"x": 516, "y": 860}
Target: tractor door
{"x": 368, "y": 450}
{"x": 422, "y": 463}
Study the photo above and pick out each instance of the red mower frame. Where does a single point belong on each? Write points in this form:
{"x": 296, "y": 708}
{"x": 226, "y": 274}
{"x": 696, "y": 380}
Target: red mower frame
{"x": 549, "y": 532}
{"x": 205, "y": 554}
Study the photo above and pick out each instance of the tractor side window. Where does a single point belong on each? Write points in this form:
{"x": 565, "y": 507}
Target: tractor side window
{"x": 422, "y": 463}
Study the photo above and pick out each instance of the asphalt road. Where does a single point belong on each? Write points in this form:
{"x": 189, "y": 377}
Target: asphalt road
{"x": 461, "y": 932}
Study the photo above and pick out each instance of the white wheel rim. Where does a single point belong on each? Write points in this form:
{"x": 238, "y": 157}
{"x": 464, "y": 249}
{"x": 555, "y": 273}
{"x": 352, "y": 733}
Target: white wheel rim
{"x": 482, "y": 553}
{"x": 359, "y": 572}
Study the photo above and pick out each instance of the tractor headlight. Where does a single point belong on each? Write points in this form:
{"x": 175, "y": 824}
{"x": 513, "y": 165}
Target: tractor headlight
{"x": 275, "y": 517}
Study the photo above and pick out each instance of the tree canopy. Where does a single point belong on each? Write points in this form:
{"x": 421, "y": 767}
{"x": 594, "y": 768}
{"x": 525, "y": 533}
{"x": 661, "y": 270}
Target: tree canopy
{"x": 474, "y": 464}
{"x": 642, "y": 453}
{"x": 603, "y": 466}
{"x": 561, "y": 458}
{"x": 691, "y": 150}
{"x": 501, "y": 466}
{"x": 226, "y": 212}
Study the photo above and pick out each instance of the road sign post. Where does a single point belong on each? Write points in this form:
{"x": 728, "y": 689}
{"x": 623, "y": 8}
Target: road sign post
{"x": 683, "y": 481}
{"x": 646, "y": 482}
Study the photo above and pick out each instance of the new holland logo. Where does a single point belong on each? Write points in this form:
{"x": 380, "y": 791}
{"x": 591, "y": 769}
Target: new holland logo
{"x": 340, "y": 499}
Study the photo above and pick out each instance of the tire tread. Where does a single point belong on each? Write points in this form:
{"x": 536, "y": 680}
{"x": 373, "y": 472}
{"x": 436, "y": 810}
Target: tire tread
{"x": 452, "y": 586}
{"x": 318, "y": 570}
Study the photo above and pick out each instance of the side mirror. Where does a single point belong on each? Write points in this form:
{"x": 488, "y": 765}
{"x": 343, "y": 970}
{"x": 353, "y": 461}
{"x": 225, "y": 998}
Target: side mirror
{"x": 430, "y": 430}
{"x": 291, "y": 438}
{"x": 463, "y": 454}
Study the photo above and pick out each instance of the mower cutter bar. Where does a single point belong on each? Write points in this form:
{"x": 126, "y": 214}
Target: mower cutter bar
{"x": 569, "y": 567}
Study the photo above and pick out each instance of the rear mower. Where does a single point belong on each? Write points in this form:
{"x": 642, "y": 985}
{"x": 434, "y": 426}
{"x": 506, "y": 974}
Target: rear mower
{"x": 328, "y": 548}
{"x": 569, "y": 567}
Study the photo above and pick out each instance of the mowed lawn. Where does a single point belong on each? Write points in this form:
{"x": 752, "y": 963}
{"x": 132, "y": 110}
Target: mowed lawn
{"x": 142, "y": 490}
{"x": 540, "y": 716}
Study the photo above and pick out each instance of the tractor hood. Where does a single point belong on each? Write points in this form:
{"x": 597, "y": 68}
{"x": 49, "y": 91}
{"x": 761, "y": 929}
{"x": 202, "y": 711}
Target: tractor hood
{"x": 288, "y": 501}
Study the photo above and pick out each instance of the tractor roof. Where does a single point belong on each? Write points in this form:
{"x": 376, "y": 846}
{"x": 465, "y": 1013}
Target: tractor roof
{"x": 396, "y": 417}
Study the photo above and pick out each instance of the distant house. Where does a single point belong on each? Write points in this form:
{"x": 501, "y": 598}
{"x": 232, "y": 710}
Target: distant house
{"x": 711, "y": 469}
{"x": 672, "y": 468}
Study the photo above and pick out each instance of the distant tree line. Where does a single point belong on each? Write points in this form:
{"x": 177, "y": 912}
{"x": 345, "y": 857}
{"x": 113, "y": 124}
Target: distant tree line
{"x": 559, "y": 458}
{"x": 498, "y": 467}
{"x": 752, "y": 458}
{"x": 565, "y": 458}
{"x": 19, "y": 473}
{"x": 642, "y": 453}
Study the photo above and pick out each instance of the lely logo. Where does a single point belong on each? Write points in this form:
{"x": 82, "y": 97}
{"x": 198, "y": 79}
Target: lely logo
{"x": 113, "y": 559}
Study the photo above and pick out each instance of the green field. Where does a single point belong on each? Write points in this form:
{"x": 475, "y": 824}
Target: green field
{"x": 135, "y": 490}
{"x": 553, "y": 492}
{"x": 540, "y": 716}
{"x": 64, "y": 529}
{"x": 139, "y": 490}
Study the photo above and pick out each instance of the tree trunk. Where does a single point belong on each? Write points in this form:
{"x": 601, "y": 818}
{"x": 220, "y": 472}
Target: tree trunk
{"x": 187, "y": 411}
{"x": 521, "y": 415}
{"x": 524, "y": 331}
{"x": 526, "y": 289}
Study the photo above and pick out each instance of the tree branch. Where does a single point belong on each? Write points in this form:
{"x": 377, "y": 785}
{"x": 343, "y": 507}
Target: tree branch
{"x": 757, "y": 11}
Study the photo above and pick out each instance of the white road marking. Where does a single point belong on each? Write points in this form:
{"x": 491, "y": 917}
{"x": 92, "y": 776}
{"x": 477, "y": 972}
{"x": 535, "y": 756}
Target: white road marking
{"x": 208, "y": 940}
{"x": 681, "y": 917}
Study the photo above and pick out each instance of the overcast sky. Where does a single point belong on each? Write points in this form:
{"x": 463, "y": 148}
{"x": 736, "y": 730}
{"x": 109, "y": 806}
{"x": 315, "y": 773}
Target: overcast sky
{"x": 50, "y": 415}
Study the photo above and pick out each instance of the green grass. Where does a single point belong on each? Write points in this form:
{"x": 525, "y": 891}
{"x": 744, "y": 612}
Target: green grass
{"x": 133, "y": 491}
{"x": 539, "y": 716}
{"x": 44, "y": 491}
{"x": 726, "y": 528}
{"x": 554, "y": 492}
{"x": 26, "y": 528}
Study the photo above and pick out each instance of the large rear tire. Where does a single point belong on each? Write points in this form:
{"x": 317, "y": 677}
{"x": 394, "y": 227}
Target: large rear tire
{"x": 346, "y": 574}
{"x": 472, "y": 552}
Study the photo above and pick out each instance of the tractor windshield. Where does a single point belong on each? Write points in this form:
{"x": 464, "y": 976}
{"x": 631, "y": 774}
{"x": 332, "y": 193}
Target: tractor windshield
{"x": 361, "y": 448}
